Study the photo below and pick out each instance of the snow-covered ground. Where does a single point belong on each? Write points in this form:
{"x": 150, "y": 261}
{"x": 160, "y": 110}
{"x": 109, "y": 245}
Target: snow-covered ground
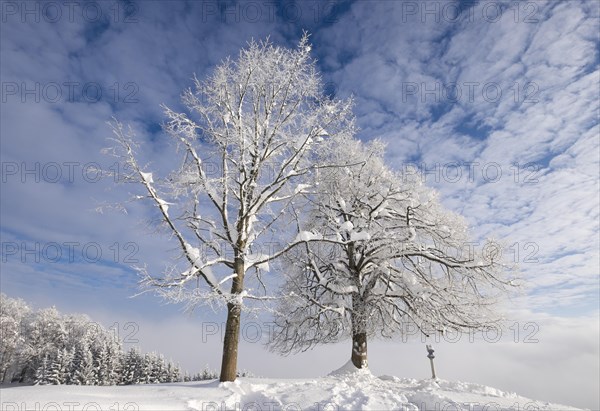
{"x": 341, "y": 390}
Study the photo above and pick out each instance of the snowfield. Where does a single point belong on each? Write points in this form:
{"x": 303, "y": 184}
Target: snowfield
{"x": 341, "y": 390}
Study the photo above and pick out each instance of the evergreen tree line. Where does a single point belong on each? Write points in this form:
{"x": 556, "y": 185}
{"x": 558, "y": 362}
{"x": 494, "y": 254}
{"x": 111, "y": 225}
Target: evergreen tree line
{"x": 47, "y": 347}
{"x": 84, "y": 367}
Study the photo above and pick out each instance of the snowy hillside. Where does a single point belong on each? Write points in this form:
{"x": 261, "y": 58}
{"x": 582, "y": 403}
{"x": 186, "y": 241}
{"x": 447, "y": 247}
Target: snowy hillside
{"x": 341, "y": 390}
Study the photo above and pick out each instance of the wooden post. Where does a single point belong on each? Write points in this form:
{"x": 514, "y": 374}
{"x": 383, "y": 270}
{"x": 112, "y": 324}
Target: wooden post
{"x": 431, "y": 357}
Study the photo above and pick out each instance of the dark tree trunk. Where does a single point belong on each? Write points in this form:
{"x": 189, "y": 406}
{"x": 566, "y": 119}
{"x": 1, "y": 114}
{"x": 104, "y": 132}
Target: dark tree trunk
{"x": 359, "y": 350}
{"x": 23, "y": 376}
{"x": 232, "y": 327}
{"x": 359, "y": 333}
{"x": 230, "y": 343}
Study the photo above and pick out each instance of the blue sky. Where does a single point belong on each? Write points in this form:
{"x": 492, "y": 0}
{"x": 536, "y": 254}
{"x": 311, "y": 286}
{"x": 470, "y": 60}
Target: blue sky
{"x": 495, "y": 102}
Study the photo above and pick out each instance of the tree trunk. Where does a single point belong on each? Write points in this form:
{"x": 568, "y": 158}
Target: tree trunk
{"x": 359, "y": 350}
{"x": 230, "y": 343}
{"x": 23, "y": 375}
{"x": 359, "y": 333}
{"x": 232, "y": 327}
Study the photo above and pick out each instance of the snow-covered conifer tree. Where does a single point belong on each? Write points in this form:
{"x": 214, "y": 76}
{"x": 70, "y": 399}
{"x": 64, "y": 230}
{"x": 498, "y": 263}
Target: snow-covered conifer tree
{"x": 101, "y": 367}
{"x": 168, "y": 375}
{"x": 60, "y": 367}
{"x": 41, "y": 374}
{"x": 158, "y": 368}
{"x": 114, "y": 353}
{"x": 84, "y": 369}
{"x": 146, "y": 369}
{"x": 176, "y": 375}
{"x": 132, "y": 368}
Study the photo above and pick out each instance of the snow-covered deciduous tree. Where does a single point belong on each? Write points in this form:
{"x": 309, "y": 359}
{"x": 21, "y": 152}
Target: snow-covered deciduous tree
{"x": 12, "y": 313}
{"x": 389, "y": 257}
{"x": 247, "y": 144}
{"x": 45, "y": 334}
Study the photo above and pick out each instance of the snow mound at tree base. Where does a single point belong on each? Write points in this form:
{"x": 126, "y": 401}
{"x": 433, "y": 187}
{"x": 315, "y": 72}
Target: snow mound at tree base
{"x": 343, "y": 391}
{"x": 350, "y": 368}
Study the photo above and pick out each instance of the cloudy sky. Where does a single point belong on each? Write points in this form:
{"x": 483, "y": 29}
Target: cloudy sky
{"x": 495, "y": 103}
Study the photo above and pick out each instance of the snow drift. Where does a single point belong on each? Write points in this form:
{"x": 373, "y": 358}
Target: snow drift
{"x": 344, "y": 389}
